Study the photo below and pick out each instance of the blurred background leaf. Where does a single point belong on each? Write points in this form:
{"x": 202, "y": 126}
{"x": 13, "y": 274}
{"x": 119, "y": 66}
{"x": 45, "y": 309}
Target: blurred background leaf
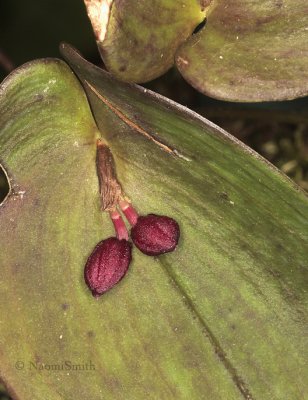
{"x": 138, "y": 39}
{"x": 247, "y": 51}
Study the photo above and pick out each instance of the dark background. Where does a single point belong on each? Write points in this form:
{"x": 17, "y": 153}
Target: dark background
{"x": 34, "y": 28}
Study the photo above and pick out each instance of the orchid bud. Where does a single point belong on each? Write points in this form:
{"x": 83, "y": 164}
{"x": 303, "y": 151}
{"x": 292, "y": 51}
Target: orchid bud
{"x": 107, "y": 265}
{"x": 155, "y": 234}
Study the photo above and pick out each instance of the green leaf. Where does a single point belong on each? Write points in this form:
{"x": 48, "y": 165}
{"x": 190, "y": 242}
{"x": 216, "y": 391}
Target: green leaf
{"x": 138, "y": 40}
{"x": 222, "y": 316}
{"x": 250, "y": 51}
{"x": 247, "y": 51}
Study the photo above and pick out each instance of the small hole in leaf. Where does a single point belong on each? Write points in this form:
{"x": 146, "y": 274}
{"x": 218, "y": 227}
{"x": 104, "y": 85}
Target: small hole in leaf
{"x": 200, "y": 26}
{"x": 4, "y": 185}
{"x": 3, "y": 394}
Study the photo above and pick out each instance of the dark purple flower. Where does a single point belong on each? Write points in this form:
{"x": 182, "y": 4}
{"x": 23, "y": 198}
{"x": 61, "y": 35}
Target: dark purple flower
{"x": 155, "y": 234}
{"x": 107, "y": 264}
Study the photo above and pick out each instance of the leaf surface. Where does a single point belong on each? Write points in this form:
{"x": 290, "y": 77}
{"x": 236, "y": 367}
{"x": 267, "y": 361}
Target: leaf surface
{"x": 222, "y": 317}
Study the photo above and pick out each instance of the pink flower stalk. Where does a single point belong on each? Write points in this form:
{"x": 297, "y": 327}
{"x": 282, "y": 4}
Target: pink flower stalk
{"x": 152, "y": 234}
{"x": 119, "y": 225}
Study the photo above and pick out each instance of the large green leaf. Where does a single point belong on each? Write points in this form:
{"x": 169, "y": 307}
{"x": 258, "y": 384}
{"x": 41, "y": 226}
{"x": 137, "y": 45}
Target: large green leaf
{"x": 247, "y": 51}
{"x": 220, "y": 318}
